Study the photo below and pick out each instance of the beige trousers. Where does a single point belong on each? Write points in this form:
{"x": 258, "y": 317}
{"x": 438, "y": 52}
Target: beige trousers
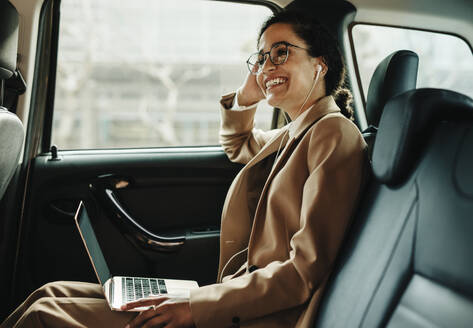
{"x": 67, "y": 304}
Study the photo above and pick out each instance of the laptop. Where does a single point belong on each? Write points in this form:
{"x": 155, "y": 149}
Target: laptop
{"x": 119, "y": 290}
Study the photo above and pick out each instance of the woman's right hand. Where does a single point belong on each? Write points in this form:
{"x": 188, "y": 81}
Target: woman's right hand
{"x": 249, "y": 93}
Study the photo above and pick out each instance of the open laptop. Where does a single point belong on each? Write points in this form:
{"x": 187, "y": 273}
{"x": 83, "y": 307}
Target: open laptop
{"x": 120, "y": 290}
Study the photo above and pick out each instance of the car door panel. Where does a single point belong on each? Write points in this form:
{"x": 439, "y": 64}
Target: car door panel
{"x": 175, "y": 194}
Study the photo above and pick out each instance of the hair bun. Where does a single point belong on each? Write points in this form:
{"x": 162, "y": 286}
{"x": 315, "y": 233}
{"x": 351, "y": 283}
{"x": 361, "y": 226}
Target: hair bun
{"x": 344, "y": 99}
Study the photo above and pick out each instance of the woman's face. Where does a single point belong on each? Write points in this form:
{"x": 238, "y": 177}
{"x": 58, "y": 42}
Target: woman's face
{"x": 286, "y": 86}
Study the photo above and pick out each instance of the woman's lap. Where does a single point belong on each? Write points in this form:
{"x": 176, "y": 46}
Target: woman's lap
{"x": 66, "y": 304}
{"x": 73, "y": 312}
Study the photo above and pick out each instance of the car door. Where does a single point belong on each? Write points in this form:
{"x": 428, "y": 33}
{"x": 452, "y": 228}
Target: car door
{"x": 125, "y": 116}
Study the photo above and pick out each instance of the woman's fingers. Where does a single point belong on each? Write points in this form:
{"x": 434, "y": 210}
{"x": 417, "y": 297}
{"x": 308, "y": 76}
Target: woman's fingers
{"x": 144, "y": 302}
{"x": 157, "y": 321}
{"x": 166, "y": 314}
{"x": 152, "y": 316}
{"x": 141, "y": 318}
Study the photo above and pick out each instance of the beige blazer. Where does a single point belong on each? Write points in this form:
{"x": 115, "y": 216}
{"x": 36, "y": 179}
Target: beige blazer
{"x": 283, "y": 221}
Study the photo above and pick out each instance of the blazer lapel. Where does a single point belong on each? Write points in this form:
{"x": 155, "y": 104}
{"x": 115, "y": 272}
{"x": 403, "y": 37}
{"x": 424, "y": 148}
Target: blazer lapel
{"x": 269, "y": 148}
{"x": 323, "y": 107}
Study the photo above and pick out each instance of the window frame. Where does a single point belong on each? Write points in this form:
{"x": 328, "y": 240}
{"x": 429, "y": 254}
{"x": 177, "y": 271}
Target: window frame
{"x": 354, "y": 55}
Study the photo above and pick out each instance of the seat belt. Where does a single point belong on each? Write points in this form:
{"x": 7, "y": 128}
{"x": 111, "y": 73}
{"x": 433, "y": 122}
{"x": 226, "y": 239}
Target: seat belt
{"x": 14, "y": 87}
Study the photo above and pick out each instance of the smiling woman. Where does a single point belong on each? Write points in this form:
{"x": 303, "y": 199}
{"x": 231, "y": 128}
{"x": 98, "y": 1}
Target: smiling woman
{"x": 277, "y": 247}
{"x": 279, "y": 232}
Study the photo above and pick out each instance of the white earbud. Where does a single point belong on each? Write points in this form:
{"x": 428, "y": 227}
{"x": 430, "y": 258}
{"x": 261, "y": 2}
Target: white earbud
{"x": 318, "y": 69}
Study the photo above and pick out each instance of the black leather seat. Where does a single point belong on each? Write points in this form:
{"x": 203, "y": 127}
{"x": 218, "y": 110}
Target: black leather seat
{"x": 11, "y": 129}
{"x": 407, "y": 261}
{"x": 397, "y": 73}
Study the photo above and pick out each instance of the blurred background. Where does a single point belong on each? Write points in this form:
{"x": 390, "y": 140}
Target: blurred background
{"x": 150, "y": 73}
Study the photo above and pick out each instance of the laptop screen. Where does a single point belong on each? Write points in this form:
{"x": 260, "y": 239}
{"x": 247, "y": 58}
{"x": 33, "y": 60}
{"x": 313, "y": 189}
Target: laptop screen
{"x": 91, "y": 244}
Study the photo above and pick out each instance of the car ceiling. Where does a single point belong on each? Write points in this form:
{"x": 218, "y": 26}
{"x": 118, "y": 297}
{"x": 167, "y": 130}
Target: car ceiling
{"x": 453, "y": 16}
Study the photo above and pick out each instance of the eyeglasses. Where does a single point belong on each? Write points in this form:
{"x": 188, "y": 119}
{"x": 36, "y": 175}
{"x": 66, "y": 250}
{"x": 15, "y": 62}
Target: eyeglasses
{"x": 278, "y": 55}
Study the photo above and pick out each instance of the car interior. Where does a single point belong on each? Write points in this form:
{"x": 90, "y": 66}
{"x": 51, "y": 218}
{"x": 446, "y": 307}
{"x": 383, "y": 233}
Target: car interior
{"x": 407, "y": 258}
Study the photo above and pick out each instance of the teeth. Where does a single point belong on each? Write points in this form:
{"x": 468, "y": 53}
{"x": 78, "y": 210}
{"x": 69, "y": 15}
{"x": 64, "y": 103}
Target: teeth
{"x": 275, "y": 81}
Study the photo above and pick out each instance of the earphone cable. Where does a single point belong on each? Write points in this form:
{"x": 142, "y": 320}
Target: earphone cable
{"x": 303, "y": 104}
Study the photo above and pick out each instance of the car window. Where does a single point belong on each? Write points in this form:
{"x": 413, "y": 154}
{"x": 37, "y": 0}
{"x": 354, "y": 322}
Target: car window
{"x": 445, "y": 61}
{"x": 147, "y": 73}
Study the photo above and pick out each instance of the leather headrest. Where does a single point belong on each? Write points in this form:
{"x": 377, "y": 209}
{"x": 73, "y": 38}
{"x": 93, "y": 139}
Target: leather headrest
{"x": 396, "y": 74}
{"x": 8, "y": 39}
{"x": 405, "y": 125}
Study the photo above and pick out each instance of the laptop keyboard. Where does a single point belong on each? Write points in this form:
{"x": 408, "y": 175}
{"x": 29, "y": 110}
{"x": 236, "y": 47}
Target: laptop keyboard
{"x": 136, "y": 288}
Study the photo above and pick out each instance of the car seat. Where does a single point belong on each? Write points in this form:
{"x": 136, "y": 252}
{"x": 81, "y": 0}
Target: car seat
{"x": 11, "y": 128}
{"x": 394, "y": 75}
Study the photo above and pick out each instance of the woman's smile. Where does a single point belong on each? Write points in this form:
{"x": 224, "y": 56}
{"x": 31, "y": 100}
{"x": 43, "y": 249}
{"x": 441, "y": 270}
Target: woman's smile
{"x": 274, "y": 82}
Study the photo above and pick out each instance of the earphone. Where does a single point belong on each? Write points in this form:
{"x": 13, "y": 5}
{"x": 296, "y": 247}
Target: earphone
{"x": 318, "y": 68}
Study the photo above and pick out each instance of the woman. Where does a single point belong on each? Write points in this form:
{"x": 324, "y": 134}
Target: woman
{"x": 286, "y": 212}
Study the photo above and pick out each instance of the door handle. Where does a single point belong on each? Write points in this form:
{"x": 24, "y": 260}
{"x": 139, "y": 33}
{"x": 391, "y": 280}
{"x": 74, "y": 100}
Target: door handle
{"x": 135, "y": 230}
